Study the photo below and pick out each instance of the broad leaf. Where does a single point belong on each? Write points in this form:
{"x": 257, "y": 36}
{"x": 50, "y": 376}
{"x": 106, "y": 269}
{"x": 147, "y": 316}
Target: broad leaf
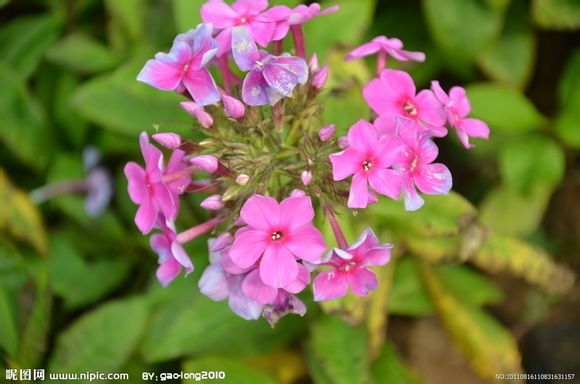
{"x": 101, "y": 340}
{"x": 339, "y": 351}
{"x": 469, "y": 285}
{"x": 556, "y": 14}
{"x": 504, "y": 109}
{"x": 9, "y": 331}
{"x": 81, "y": 53}
{"x": 235, "y": 371}
{"x": 408, "y": 296}
{"x": 390, "y": 368}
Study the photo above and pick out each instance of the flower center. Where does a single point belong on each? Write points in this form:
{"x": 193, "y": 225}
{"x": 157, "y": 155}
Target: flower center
{"x": 349, "y": 266}
{"x": 277, "y": 235}
{"x": 243, "y": 20}
{"x": 413, "y": 163}
{"x": 367, "y": 165}
{"x": 409, "y": 108}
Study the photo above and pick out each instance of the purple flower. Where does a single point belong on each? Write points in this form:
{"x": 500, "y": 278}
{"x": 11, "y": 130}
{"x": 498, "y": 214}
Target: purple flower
{"x": 248, "y": 13}
{"x": 457, "y": 107}
{"x": 147, "y": 189}
{"x": 368, "y": 159}
{"x": 275, "y": 236}
{"x": 223, "y": 280}
{"x": 284, "y": 304}
{"x": 184, "y": 66}
{"x": 270, "y": 78}
{"x": 391, "y": 47}
{"x": 172, "y": 256}
{"x": 349, "y": 267}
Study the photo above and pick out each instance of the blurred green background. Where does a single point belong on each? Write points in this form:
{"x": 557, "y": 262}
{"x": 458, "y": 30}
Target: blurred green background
{"x": 478, "y": 286}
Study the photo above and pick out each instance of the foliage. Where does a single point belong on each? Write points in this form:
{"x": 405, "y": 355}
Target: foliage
{"x": 67, "y": 74}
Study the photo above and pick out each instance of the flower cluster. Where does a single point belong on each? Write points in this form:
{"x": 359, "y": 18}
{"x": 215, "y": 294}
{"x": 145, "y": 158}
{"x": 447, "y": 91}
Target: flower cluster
{"x": 267, "y": 164}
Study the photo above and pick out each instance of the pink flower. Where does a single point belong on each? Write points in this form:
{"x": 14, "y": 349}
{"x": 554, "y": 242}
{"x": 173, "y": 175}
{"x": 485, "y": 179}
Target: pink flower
{"x": 415, "y": 161}
{"x": 222, "y": 280}
{"x": 172, "y": 256}
{"x": 247, "y": 13}
{"x": 275, "y": 236}
{"x": 270, "y": 78}
{"x": 300, "y": 15}
{"x": 368, "y": 158}
{"x": 184, "y": 66}
{"x": 207, "y": 163}
{"x": 197, "y": 111}
{"x": 393, "y": 94}
{"x": 233, "y": 107}
{"x": 169, "y": 140}
{"x": 306, "y": 177}
{"x": 457, "y": 107}
{"x": 349, "y": 267}
{"x": 254, "y": 287}
{"x": 284, "y": 304}
{"x": 147, "y": 189}
{"x": 392, "y": 47}
{"x": 326, "y": 132}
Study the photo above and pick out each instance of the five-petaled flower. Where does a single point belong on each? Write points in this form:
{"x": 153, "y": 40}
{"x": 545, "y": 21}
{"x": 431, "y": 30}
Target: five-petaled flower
{"x": 184, "y": 66}
{"x": 368, "y": 158}
{"x": 276, "y": 236}
{"x": 349, "y": 267}
{"x": 172, "y": 256}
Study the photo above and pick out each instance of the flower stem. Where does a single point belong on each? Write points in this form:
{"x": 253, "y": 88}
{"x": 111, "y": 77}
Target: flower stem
{"x": 194, "y": 232}
{"x": 66, "y": 187}
{"x": 277, "y": 47}
{"x": 298, "y": 37}
{"x": 340, "y": 239}
{"x": 226, "y": 74}
{"x": 381, "y": 61}
{"x": 170, "y": 177}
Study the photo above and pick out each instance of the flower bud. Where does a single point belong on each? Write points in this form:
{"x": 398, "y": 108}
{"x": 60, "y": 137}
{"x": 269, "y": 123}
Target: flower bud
{"x": 313, "y": 63}
{"x": 343, "y": 142}
{"x": 233, "y": 107}
{"x": 204, "y": 118}
{"x": 326, "y": 132}
{"x": 169, "y": 140}
{"x": 212, "y": 203}
{"x": 206, "y": 163}
{"x": 297, "y": 193}
{"x": 319, "y": 77}
{"x": 242, "y": 179}
{"x": 306, "y": 177}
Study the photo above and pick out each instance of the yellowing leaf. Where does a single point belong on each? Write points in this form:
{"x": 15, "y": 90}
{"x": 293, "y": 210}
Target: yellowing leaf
{"x": 19, "y": 217}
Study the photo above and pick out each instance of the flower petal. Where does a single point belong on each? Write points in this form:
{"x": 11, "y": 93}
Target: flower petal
{"x": 386, "y": 182}
{"x": 136, "y": 183}
{"x": 363, "y": 136}
{"x": 201, "y": 86}
{"x": 168, "y": 271}
{"x": 362, "y": 281}
{"x": 247, "y": 248}
{"x": 359, "y": 191}
{"x": 244, "y": 306}
{"x": 261, "y": 212}
{"x": 254, "y": 287}
{"x": 213, "y": 283}
{"x": 146, "y": 216}
{"x": 244, "y": 49}
{"x": 329, "y": 285}
{"x": 218, "y": 13}
{"x": 306, "y": 243}
{"x": 160, "y": 75}
{"x": 278, "y": 267}
{"x": 296, "y": 212}
{"x": 345, "y": 163}
{"x": 279, "y": 78}
{"x": 434, "y": 179}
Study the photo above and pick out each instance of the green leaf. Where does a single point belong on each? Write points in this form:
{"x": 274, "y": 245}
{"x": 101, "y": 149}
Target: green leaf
{"x": 19, "y": 217}
{"x": 75, "y": 128}
{"x": 408, "y": 296}
{"x": 91, "y": 281}
{"x": 24, "y": 129}
{"x": 504, "y": 109}
{"x": 101, "y": 340}
{"x": 354, "y": 17}
{"x": 178, "y": 328}
{"x": 531, "y": 162}
{"x": 9, "y": 331}
{"x": 235, "y": 371}
{"x": 327, "y": 349}
{"x": 487, "y": 344}
{"x": 24, "y": 41}
{"x": 513, "y": 213}
{"x": 463, "y": 28}
{"x": 83, "y": 54}
{"x": 567, "y": 126}
{"x": 390, "y": 368}
{"x": 469, "y": 285}
{"x": 556, "y": 14}
{"x": 186, "y": 14}
{"x": 510, "y": 59}
{"x": 131, "y": 107}
{"x": 128, "y": 16}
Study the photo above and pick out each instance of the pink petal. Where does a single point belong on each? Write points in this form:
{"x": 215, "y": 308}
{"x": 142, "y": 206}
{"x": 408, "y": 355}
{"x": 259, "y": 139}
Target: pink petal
{"x": 434, "y": 179}
{"x": 376, "y": 96}
{"x": 254, "y": 287}
{"x": 403, "y": 55}
{"x": 306, "y": 243}
{"x": 398, "y": 83}
{"x": 378, "y": 256}
{"x": 363, "y": 136}
{"x": 179, "y": 254}
{"x": 429, "y": 152}
{"x": 386, "y": 182}
{"x": 439, "y": 93}
{"x": 137, "y": 183}
{"x": 244, "y": 306}
{"x": 301, "y": 281}
{"x": 363, "y": 50}
{"x": 345, "y": 163}
{"x": 362, "y": 281}
{"x": 430, "y": 109}
{"x": 233, "y": 107}
{"x": 207, "y": 163}
{"x": 280, "y": 79}
{"x": 261, "y": 212}
{"x": 165, "y": 201}
{"x": 474, "y": 127}
{"x": 224, "y": 41}
{"x": 249, "y": 7}
{"x": 256, "y": 92}
{"x": 160, "y": 75}
{"x": 359, "y": 191}
{"x": 218, "y": 13}
{"x": 146, "y": 216}
{"x": 386, "y": 125}
{"x": 213, "y": 283}
{"x": 169, "y": 140}
{"x": 388, "y": 151}
{"x": 296, "y": 212}
{"x": 329, "y": 285}
{"x": 262, "y": 32}
{"x": 247, "y": 248}
{"x": 412, "y": 199}
{"x": 296, "y": 65}
{"x": 201, "y": 87}
{"x": 278, "y": 267}
{"x": 168, "y": 271}
{"x": 458, "y": 97}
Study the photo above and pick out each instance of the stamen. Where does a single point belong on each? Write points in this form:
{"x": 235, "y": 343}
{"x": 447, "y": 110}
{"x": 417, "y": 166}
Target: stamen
{"x": 277, "y": 235}
{"x": 367, "y": 165}
{"x": 409, "y": 108}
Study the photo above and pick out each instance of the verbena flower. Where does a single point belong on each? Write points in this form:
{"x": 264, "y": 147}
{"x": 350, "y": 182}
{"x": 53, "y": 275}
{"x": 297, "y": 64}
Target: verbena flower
{"x": 349, "y": 268}
{"x": 184, "y": 66}
{"x": 369, "y": 159}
